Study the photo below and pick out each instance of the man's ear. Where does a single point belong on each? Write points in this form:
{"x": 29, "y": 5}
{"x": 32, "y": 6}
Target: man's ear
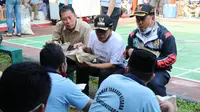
{"x": 153, "y": 17}
{"x": 62, "y": 67}
{"x": 126, "y": 69}
{"x": 152, "y": 77}
{"x": 41, "y": 108}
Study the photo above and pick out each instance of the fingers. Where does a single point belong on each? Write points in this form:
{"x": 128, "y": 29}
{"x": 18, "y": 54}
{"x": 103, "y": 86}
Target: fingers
{"x": 49, "y": 41}
{"x": 130, "y": 51}
{"x": 78, "y": 45}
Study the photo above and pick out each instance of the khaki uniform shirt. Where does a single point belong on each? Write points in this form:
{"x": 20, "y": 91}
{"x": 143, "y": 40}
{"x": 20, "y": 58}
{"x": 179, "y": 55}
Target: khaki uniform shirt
{"x": 81, "y": 33}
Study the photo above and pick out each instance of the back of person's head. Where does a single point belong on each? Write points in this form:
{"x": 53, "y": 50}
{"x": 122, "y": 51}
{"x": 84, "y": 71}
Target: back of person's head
{"x": 142, "y": 63}
{"x": 65, "y": 8}
{"x": 24, "y": 87}
{"x": 52, "y": 56}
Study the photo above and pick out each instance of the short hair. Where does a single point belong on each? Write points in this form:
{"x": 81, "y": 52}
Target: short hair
{"x": 142, "y": 63}
{"x": 52, "y": 56}
{"x": 65, "y": 8}
{"x": 23, "y": 87}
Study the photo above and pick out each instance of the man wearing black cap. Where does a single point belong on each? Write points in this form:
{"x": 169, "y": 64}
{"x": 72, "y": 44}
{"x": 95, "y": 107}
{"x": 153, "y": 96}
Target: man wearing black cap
{"x": 106, "y": 44}
{"x": 152, "y": 36}
{"x": 128, "y": 93}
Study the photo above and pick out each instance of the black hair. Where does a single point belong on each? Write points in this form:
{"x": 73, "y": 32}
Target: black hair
{"x": 23, "y": 87}
{"x": 142, "y": 76}
{"x": 52, "y": 56}
{"x": 142, "y": 63}
{"x": 65, "y": 8}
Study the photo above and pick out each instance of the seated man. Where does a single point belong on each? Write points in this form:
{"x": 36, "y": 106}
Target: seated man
{"x": 70, "y": 29}
{"x": 106, "y": 44}
{"x": 64, "y": 92}
{"x": 25, "y": 87}
{"x": 128, "y": 93}
{"x": 151, "y": 35}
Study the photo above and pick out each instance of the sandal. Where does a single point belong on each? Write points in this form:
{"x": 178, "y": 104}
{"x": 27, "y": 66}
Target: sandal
{"x": 8, "y": 34}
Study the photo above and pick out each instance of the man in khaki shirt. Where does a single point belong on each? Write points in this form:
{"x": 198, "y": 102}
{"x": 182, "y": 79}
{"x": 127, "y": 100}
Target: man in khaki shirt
{"x": 72, "y": 30}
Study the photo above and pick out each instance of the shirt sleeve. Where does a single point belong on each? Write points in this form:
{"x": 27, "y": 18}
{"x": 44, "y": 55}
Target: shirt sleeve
{"x": 75, "y": 97}
{"x": 91, "y": 40}
{"x": 168, "y": 52}
{"x": 129, "y": 44}
{"x": 87, "y": 32}
{"x": 151, "y": 105}
{"x": 57, "y": 35}
{"x": 117, "y": 54}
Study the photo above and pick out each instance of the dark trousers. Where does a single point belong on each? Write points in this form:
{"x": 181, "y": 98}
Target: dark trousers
{"x": 82, "y": 75}
{"x": 157, "y": 85}
{"x": 48, "y": 11}
{"x": 114, "y": 16}
{"x": 71, "y": 66}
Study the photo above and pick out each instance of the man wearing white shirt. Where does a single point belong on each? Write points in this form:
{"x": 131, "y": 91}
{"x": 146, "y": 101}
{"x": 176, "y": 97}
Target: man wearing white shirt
{"x": 106, "y": 44}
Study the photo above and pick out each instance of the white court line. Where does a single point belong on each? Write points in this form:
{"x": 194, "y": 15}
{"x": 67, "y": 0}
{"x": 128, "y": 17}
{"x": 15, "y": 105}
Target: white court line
{"x": 28, "y": 37}
{"x": 187, "y": 79}
{"x": 24, "y": 45}
{"x": 185, "y": 69}
{"x": 187, "y": 72}
{"x": 30, "y": 42}
{"x": 181, "y": 68}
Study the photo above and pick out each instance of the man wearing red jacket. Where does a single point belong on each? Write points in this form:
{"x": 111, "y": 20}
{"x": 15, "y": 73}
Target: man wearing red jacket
{"x": 152, "y": 36}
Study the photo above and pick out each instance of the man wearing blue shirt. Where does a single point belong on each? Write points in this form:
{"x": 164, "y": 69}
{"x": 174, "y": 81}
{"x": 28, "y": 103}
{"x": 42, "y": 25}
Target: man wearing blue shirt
{"x": 63, "y": 92}
{"x": 128, "y": 93}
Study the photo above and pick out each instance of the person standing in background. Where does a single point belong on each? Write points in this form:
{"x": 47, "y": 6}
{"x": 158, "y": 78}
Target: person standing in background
{"x": 113, "y": 9}
{"x": 16, "y": 6}
{"x": 47, "y": 8}
{"x": 34, "y": 5}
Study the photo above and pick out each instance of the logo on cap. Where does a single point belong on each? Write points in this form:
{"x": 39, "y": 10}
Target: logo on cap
{"x": 139, "y": 8}
{"x": 101, "y": 22}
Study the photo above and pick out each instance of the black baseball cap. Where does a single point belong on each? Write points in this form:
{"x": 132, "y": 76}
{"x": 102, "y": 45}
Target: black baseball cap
{"x": 143, "y": 10}
{"x": 103, "y": 22}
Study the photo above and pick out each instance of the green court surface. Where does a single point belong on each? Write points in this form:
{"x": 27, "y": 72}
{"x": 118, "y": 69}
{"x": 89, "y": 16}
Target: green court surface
{"x": 187, "y": 37}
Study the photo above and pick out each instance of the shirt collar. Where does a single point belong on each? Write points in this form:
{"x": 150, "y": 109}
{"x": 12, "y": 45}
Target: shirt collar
{"x": 135, "y": 78}
{"x": 50, "y": 69}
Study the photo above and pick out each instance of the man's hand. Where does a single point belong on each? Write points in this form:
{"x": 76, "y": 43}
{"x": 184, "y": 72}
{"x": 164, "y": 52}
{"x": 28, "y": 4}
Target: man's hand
{"x": 78, "y": 45}
{"x": 57, "y": 1}
{"x": 111, "y": 7}
{"x": 88, "y": 63}
{"x": 49, "y": 41}
{"x": 130, "y": 51}
{"x": 167, "y": 106}
{"x": 84, "y": 64}
{"x": 26, "y": 4}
